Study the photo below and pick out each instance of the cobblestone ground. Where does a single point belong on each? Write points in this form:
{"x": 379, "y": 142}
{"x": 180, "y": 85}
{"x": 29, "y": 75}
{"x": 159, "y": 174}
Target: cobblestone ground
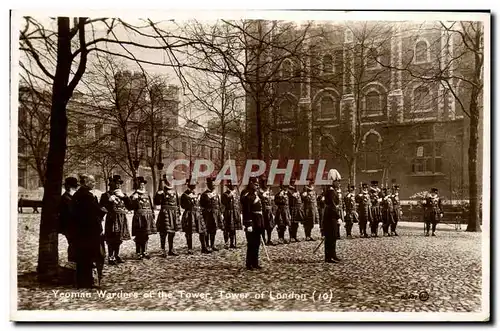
{"x": 409, "y": 273}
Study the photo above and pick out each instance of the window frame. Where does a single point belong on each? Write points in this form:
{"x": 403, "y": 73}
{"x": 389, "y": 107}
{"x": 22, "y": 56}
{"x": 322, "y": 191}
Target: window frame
{"x": 332, "y": 58}
{"x": 413, "y": 104}
{"x": 365, "y": 112}
{"x": 319, "y": 107}
{"x": 376, "y": 59}
{"x": 427, "y": 51}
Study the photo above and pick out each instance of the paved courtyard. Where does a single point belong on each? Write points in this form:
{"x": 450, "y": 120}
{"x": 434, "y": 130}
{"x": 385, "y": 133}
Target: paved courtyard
{"x": 409, "y": 273}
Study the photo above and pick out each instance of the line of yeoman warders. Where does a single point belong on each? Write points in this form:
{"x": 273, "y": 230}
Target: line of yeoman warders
{"x": 255, "y": 210}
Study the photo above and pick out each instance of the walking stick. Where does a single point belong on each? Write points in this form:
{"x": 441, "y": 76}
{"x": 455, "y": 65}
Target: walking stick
{"x": 319, "y": 245}
{"x": 264, "y": 247}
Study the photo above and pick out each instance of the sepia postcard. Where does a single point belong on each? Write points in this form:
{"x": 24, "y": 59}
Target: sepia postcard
{"x": 250, "y": 166}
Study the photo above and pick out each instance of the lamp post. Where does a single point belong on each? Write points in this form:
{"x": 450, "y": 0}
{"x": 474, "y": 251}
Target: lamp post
{"x": 159, "y": 166}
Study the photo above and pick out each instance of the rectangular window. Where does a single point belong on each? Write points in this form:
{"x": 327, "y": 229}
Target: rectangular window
{"x": 22, "y": 177}
{"x": 427, "y": 157}
{"x": 114, "y": 134}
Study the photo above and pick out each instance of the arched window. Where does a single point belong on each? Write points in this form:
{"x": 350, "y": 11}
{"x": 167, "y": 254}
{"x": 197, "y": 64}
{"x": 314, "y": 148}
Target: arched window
{"x": 286, "y": 111}
{"x": 373, "y": 104}
{"x": 327, "y": 63}
{"x": 422, "y": 99}
{"x": 286, "y": 68}
{"x": 327, "y": 107}
{"x": 422, "y": 53}
{"x": 371, "y": 152}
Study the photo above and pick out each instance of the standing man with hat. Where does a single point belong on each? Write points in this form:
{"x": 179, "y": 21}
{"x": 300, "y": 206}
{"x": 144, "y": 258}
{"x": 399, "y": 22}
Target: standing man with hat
{"x": 283, "y": 218}
{"x": 397, "y": 211}
{"x": 296, "y": 211}
{"x": 376, "y": 200}
{"x": 310, "y": 199}
{"x": 211, "y": 211}
{"x": 192, "y": 221}
{"x": 253, "y": 222}
{"x": 89, "y": 244}
{"x": 143, "y": 222}
{"x": 266, "y": 196}
{"x": 351, "y": 213}
{"x": 116, "y": 226}
{"x": 169, "y": 218}
{"x": 333, "y": 215}
{"x": 433, "y": 211}
{"x": 387, "y": 212}
{"x": 67, "y": 217}
{"x": 365, "y": 212}
{"x": 232, "y": 216}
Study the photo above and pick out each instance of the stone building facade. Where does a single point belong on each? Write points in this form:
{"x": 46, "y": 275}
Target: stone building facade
{"x": 365, "y": 98}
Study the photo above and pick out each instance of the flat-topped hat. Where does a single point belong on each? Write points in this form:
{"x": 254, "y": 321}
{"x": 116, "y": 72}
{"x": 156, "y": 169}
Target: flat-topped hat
{"x": 141, "y": 179}
{"x": 71, "y": 182}
{"x": 434, "y": 190}
{"x": 374, "y": 182}
{"x": 117, "y": 179}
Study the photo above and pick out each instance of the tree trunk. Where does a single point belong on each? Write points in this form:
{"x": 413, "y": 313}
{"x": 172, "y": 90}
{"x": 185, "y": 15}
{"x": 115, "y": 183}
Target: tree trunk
{"x": 473, "y": 223}
{"x": 48, "y": 254}
{"x": 153, "y": 177}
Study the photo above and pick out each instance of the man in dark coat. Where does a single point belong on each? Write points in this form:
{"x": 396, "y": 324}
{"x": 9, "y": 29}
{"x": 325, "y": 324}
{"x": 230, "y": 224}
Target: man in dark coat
{"x": 66, "y": 216}
{"x": 376, "y": 210}
{"x": 253, "y": 222}
{"x": 364, "y": 208}
{"x": 310, "y": 199}
{"x": 89, "y": 242}
{"x": 283, "y": 217}
{"x": 387, "y": 212}
{"x": 433, "y": 211}
{"x": 397, "y": 212}
{"x": 266, "y": 197}
{"x": 351, "y": 212}
{"x": 169, "y": 218}
{"x": 211, "y": 211}
{"x": 333, "y": 216}
{"x": 296, "y": 211}
{"x": 230, "y": 201}
{"x": 116, "y": 227}
{"x": 143, "y": 222}
{"x": 192, "y": 221}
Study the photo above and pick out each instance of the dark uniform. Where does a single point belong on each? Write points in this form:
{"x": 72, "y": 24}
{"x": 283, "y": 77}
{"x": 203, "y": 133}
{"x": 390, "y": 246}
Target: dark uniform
{"x": 387, "y": 212}
{"x": 310, "y": 199}
{"x": 89, "y": 243}
{"x": 143, "y": 222}
{"x": 351, "y": 212}
{"x": 67, "y": 217}
{"x": 253, "y": 221}
{"x": 283, "y": 218}
{"x": 211, "y": 211}
{"x": 296, "y": 211}
{"x": 192, "y": 221}
{"x": 266, "y": 197}
{"x": 169, "y": 220}
{"x": 433, "y": 211}
{"x": 376, "y": 200}
{"x": 397, "y": 211}
{"x": 364, "y": 208}
{"x": 321, "y": 205}
{"x": 334, "y": 210}
{"x": 116, "y": 226}
{"x": 232, "y": 215}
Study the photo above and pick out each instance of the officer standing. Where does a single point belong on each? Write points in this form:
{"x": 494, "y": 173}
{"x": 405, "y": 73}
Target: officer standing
{"x": 332, "y": 217}
{"x": 232, "y": 215}
{"x": 365, "y": 212}
{"x": 192, "y": 221}
{"x": 310, "y": 199}
{"x": 266, "y": 196}
{"x": 211, "y": 211}
{"x": 351, "y": 213}
{"x": 376, "y": 199}
{"x": 143, "y": 222}
{"x": 433, "y": 211}
{"x": 296, "y": 211}
{"x": 282, "y": 213}
{"x": 253, "y": 222}
{"x": 116, "y": 226}
{"x": 387, "y": 212}
{"x": 169, "y": 218}
{"x": 397, "y": 211}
